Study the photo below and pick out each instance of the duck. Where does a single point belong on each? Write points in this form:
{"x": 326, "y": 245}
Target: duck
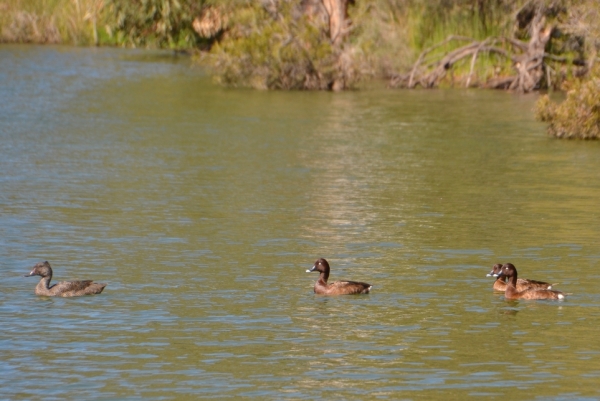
{"x": 337, "y": 287}
{"x": 522, "y": 283}
{"x": 509, "y": 271}
{"x": 64, "y": 288}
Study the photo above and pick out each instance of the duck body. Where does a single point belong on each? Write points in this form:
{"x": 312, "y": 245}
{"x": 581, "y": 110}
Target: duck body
{"x": 522, "y": 283}
{"x": 64, "y": 288}
{"x": 509, "y": 271}
{"x": 337, "y": 287}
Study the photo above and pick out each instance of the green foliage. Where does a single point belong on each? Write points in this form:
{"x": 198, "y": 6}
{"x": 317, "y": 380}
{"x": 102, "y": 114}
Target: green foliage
{"x": 379, "y": 37}
{"x": 431, "y": 21}
{"x": 578, "y": 116}
{"x": 161, "y": 23}
{"x": 391, "y": 34}
{"x": 276, "y": 49}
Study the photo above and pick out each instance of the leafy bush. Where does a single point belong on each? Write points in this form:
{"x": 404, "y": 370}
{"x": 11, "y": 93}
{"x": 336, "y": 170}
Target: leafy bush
{"x": 279, "y": 48}
{"x": 578, "y": 116}
{"x": 161, "y": 23}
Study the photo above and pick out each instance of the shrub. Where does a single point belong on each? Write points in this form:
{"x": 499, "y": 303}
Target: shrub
{"x": 279, "y": 48}
{"x": 578, "y": 116}
{"x": 161, "y": 23}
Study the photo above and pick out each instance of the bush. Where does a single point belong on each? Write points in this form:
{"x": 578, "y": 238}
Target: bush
{"x": 279, "y": 48}
{"x": 160, "y": 23}
{"x": 578, "y": 116}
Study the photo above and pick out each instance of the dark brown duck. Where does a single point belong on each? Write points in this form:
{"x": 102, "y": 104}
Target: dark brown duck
{"x": 510, "y": 271}
{"x": 64, "y": 288}
{"x": 522, "y": 283}
{"x": 337, "y": 287}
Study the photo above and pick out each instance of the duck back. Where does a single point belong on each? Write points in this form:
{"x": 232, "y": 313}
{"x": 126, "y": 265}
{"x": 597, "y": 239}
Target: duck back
{"x": 70, "y": 289}
{"x": 342, "y": 288}
{"x": 512, "y": 293}
{"x": 523, "y": 284}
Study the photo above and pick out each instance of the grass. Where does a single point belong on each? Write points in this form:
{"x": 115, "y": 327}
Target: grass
{"x": 51, "y": 21}
{"x": 391, "y": 34}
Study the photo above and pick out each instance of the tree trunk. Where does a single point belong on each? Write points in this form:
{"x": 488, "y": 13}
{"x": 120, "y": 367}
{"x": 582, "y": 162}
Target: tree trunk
{"x": 337, "y": 11}
{"x": 529, "y": 66}
{"x": 334, "y": 13}
{"x": 334, "y": 16}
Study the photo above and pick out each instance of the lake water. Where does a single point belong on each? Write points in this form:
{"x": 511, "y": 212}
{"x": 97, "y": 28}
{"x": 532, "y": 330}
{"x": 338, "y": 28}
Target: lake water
{"x": 202, "y": 207}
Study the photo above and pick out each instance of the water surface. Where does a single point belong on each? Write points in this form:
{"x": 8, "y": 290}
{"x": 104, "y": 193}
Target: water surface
{"x": 202, "y": 207}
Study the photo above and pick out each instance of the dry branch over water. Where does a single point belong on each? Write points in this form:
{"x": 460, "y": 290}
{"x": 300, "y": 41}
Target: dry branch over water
{"x": 527, "y": 57}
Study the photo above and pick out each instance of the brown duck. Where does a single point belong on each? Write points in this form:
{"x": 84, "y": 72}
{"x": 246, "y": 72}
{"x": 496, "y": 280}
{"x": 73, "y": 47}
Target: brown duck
{"x": 64, "y": 288}
{"x": 338, "y": 287}
{"x": 522, "y": 283}
{"x": 510, "y": 271}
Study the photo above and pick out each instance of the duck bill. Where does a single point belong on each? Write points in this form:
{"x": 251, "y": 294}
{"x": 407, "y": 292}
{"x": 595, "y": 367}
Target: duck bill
{"x": 29, "y": 274}
{"x": 312, "y": 269}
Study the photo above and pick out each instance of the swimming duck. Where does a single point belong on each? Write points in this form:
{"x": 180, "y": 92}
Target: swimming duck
{"x": 337, "y": 287}
{"x": 64, "y": 288}
{"x": 522, "y": 283}
{"x": 510, "y": 271}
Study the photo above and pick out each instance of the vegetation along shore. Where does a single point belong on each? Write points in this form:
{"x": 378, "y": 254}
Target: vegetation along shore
{"x": 522, "y": 46}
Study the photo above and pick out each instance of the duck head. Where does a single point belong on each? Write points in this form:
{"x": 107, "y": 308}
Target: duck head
{"x": 41, "y": 269}
{"x": 320, "y": 266}
{"x": 507, "y": 270}
{"x": 496, "y": 270}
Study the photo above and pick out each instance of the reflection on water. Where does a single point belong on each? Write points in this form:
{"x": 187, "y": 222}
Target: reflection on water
{"x": 202, "y": 208}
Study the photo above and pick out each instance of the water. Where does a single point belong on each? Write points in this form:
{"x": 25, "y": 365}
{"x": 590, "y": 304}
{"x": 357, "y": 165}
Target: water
{"x": 202, "y": 207}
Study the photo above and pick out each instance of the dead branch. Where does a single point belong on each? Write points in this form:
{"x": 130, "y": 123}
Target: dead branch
{"x": 429, "y": 50}
{"x": 473, "y": 60}
{"x": 428, "y": 76}
{"x": 527, "y": 58}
